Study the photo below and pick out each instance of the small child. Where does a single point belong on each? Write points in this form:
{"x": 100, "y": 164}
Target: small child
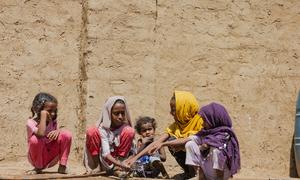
{"x": 47, "y": 144}
{"x": 149, "y": 165}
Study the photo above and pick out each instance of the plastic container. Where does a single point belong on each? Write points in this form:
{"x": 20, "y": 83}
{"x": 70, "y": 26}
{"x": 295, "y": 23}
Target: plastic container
{"x": 297, "y": 135}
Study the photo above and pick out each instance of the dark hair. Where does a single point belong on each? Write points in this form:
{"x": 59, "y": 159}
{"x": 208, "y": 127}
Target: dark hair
{"x": 144, "y": 120}
{"x": 173, "y": 97}
{"x": 38, "y": 103}
{"x": 119, "y": 101}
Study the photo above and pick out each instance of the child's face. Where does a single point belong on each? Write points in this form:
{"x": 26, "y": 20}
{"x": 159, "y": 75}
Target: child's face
{"x": 147, "y": 130}
{"x": 118, "y": 115}
{"x": 173, "y": 108}
{"x": 205, "y": 125}
{"x": 51, "y": 107}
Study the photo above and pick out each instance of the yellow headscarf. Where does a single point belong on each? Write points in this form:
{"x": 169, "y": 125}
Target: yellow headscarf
{"x": 189, "y": 121}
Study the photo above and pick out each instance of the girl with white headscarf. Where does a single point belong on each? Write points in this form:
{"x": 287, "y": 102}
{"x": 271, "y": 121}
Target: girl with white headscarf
{"x": 110, "y": 142}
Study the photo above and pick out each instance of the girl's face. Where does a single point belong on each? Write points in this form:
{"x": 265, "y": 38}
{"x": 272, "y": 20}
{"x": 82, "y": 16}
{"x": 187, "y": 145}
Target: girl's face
{"x": 147, "y": 130}
{"x": 206, "y": 126}
{"x": 51, "y": 107}
{"x": 173, "y": 108}
{"x": 118, "y": 115}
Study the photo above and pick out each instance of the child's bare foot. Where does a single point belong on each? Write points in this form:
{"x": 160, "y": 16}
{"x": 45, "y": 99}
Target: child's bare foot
{"x": 34, "y": 171}
{"x": 93, "y": 171}
{"x": 121, "y": 174}
{"x": 165, "y": 176}
{"x": 62, "y": 169}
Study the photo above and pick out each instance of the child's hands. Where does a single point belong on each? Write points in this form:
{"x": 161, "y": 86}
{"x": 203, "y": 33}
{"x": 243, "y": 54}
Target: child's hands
{"x": 203, "y": 147}
{"x": 53, "y": 135}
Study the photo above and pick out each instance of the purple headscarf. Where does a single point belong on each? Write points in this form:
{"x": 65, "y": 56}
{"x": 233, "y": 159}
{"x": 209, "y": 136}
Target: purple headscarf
{"x": 219, "y": 133}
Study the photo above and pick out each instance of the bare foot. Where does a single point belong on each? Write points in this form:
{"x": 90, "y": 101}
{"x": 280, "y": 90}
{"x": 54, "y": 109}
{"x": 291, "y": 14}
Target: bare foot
{"x": 121, "y": 174}
{"x": 34, "y": 171}
{"x": 62, "y": 169}
{"x": 179, "y": 176}
{"x": 165, "y": 176}
{"x": 93, "y": 171}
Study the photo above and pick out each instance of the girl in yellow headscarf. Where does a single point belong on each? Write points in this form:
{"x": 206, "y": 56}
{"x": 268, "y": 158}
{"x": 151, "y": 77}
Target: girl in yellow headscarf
{"x": 184, "y": 109}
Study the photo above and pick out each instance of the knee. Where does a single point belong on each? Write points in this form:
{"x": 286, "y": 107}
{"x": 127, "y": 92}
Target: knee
{"x": 67, "y": 135}
{"x": 33, "y": 141}
{"x": 91, "y": 132}
{"x": 128, "y": 132}
{"x": 189, "y": 144}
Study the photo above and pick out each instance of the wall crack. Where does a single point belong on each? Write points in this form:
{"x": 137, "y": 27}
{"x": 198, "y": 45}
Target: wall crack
{"x": 82, "y": 82}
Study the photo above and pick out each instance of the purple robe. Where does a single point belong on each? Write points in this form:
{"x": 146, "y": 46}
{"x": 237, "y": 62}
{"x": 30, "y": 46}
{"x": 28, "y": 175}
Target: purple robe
{"x": 220, "y": 135}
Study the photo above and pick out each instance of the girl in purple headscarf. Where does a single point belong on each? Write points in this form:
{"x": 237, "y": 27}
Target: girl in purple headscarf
{"x": 215, "y": 148}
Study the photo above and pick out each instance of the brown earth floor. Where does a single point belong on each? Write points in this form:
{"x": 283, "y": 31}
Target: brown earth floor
{"x": 15, "y": 168}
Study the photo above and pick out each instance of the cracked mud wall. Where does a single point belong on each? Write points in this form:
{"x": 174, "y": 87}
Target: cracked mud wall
{"x": 244, "y": 54}
{"x": 39, "y": 51}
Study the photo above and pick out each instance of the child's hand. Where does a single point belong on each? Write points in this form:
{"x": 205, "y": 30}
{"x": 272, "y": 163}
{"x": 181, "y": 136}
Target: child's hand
{"x": 203, "y": 147}
{"x": 125, "y": 166}
{"x": 53, "y": 135}
{"x": 129, "y": 162}
{"x": 45, "y": 115}
{"x": 147, "y": 140}
{"x": 155, "y": 148}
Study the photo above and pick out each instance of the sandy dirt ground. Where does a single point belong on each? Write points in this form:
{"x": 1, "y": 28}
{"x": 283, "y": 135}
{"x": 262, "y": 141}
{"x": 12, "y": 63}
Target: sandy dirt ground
{"x": 15, "y": 168}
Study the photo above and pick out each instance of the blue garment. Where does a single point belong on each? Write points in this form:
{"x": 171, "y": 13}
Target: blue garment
{"x": 144, "y": 166}
{"x": 144, "y": 159}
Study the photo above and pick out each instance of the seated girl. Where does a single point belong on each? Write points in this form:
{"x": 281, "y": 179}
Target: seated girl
{"x": 214, "y": 149}
{"x": 47, "y": 144}
{"x": 110, "y": 142}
